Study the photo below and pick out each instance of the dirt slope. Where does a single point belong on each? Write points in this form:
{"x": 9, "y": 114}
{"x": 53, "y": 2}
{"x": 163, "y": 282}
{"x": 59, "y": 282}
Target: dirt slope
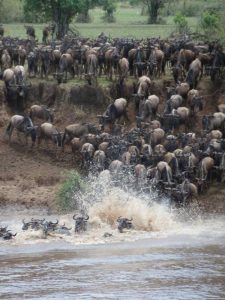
{"x": 32, "y": 176}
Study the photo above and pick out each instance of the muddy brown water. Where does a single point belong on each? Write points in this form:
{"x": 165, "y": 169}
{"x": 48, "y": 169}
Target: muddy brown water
{"x": 169, "y": 254}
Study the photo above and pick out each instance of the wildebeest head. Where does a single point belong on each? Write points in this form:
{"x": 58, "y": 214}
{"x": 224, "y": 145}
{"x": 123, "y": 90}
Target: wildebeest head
{"x": 109, "y": 116}
{"x": 57, "y": 138}
{"x": 92, "y": 129}
{"x": 80, "y": 223}
{"x": 196, "y": 104}
{"x": 8, "y": 235}
{"x": 49, "y": 226}
{"x": 3, "y": 230}
{"x": 124, "y": 223}
{"x": 206, "y": 122}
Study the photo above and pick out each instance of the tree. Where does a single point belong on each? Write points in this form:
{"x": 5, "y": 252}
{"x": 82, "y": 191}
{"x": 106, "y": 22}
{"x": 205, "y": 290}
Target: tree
{"x": 85, "y": 5}
{"x": 60, "y": 12}
{"x": 109, "y": 6}
{"x": 209, "y": 22}
{"x": 153, "y": 7}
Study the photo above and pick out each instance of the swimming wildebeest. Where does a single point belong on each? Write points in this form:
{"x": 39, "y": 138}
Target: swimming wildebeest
{"x": 80, "y": 223}
{"x": 124, "y": 223}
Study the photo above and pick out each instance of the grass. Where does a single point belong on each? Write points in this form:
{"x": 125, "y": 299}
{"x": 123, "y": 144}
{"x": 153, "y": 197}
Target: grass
{"x": 129, "y": 23}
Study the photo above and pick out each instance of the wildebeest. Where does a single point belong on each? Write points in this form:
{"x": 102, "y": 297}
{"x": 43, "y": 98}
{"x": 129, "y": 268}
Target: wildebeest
{"x": 116, "y": 168}
{"x": 78, "y": 130}
{"x": 113, "y": 112}
{"x": 144, "y": 84}
{"x": 148, "y": 108}
{"x": 80, "y": 223}
{"x": 34, "y": 224}
{"x": 215, "y": 121}
{"x": 47, "y": 131}
{"x": 182, "y": 89}
{"x": 6, "y": 60}
{"x": 156, "y": 136}
{"x": 32, "y": 62}
{"x": 87, "y": 152}
{"x": 99, "y": 160}
{"x": 163, "y": 173}
{"x": 19, "y": 72}
{"x": 194, "y": 73}
{"x": 9, "y": 77}
{"x": 21, "y": 124}
{"x": 112, "y": 58}
{"x": 123, "y": 68}
{"x": 41, "y": 112}
{"x": 124, "y": 223}
{"x": 174, "y": 102}
{"x": 8, "y": 235}
{"x": 206, "y": 165}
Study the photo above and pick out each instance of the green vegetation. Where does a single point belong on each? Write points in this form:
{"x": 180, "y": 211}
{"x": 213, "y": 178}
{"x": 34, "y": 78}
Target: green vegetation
{"x": 129, "y": 23}
{"x": 209, "y": 22}
{"x": 109, "y": 7}
{"x": 181, "y": 23}
{"x": 131, "y": 18}
{"x": 71, "y": 187}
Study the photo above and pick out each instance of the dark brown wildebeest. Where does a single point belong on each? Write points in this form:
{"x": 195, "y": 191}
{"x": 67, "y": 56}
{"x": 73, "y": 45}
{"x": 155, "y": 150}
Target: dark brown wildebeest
{"x": 194, "y": 73}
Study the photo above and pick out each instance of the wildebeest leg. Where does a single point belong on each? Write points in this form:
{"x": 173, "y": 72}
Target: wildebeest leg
{"x": 18, "y": 136}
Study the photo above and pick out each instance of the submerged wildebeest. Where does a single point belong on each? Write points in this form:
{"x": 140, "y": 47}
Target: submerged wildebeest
{"x": 80, "y": 223}
{"x": 124, "y": 223}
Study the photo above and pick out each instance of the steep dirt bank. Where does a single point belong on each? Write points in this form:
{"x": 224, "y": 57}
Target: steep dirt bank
{"x": 32, "y": 176}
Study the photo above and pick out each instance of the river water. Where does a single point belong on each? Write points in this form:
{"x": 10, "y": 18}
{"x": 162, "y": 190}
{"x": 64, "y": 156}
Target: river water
{"x": 169, "y": 254}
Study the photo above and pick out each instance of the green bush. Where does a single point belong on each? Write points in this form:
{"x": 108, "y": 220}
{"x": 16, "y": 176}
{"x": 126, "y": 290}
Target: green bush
{"x": 181, "y": 23}
{"x": 209, "y": 22}
{"x": 70, "y": 188}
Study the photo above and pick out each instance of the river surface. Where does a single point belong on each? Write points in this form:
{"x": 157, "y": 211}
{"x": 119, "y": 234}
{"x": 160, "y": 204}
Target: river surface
{"x": 168, "y": 255}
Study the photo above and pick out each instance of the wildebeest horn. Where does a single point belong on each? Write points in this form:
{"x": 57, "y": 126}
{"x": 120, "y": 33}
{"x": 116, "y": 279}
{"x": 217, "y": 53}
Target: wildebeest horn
{"x": 118, "y": 219}
{"x": 74, "y": 217}
{"x": 130, "y": 220}
{"x": 57, "y": 222}
{"x": 86, "y": 218}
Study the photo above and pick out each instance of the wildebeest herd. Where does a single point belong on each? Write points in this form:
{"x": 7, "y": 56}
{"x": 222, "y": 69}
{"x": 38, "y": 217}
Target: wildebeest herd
{"x": 48, "y": 228}
{"x": 162, "y": 149}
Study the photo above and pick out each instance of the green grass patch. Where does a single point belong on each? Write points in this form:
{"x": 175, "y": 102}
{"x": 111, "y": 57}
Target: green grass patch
{"x": 129, "y": 24}
{"x": 67, "y": 197}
